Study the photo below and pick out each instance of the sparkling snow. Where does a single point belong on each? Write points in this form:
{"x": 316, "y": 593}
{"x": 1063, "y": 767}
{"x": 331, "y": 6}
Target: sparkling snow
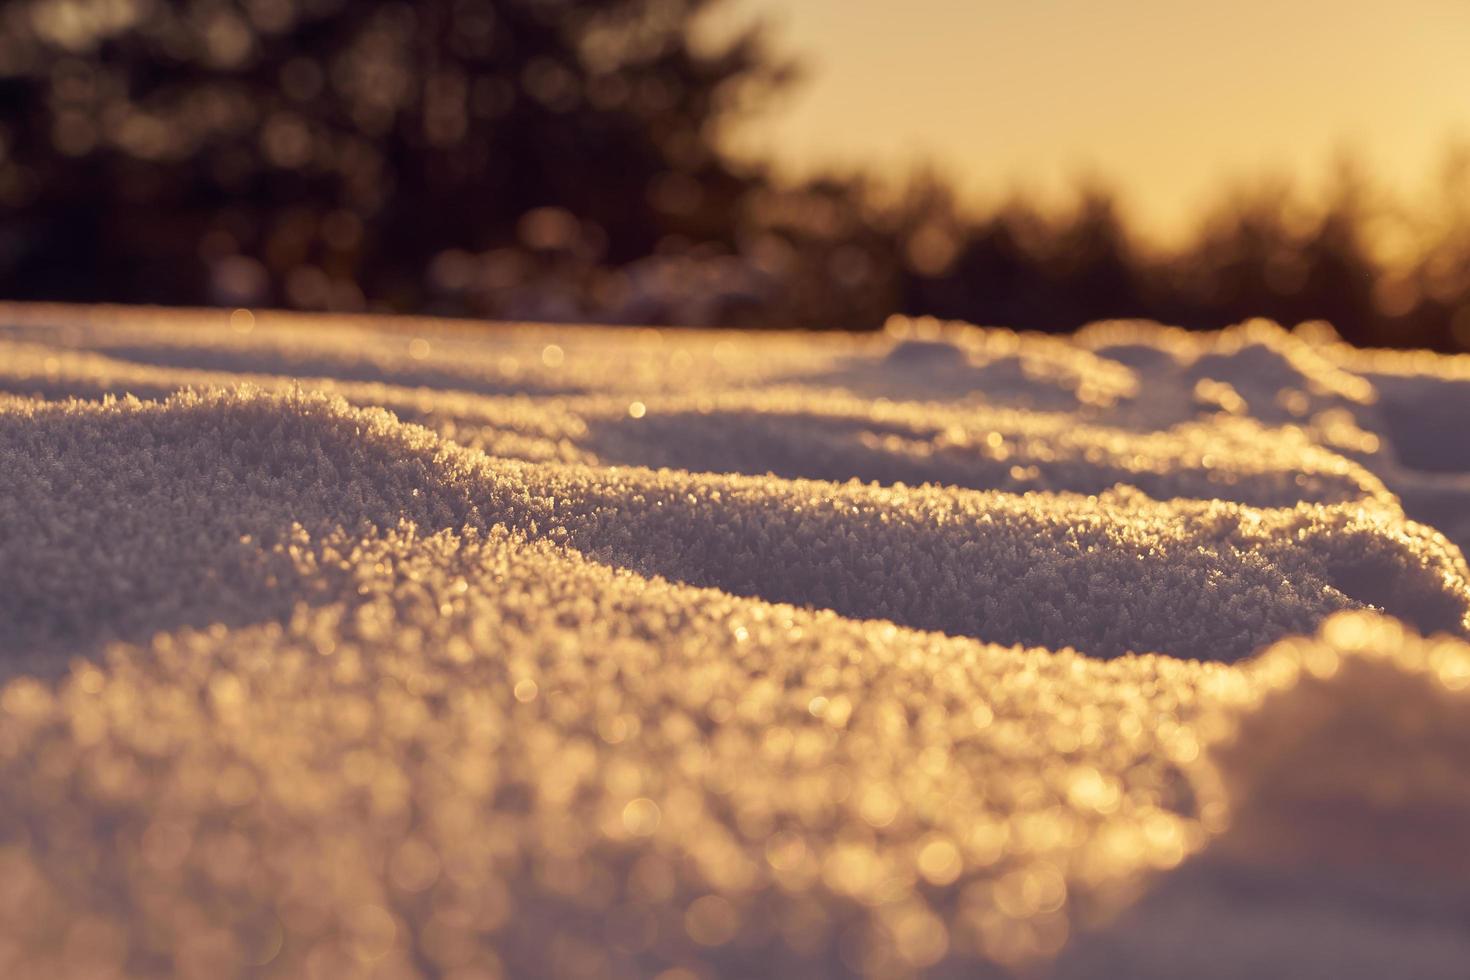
{"x": 402, "y": 648}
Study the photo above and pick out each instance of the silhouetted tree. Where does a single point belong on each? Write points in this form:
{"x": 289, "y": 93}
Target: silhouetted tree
{"x": 559, "y": 159}
{"x": 323, "y": 153}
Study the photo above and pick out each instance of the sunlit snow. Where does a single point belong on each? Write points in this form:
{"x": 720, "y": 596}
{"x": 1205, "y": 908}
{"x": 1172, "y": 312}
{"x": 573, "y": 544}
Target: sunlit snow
{"x": 342, "y": 647}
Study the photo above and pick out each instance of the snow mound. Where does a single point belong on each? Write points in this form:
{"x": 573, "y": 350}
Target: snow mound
{"x": 129, "y": 514}
{"x": 128, "y": 517}
{"x": 1338, "y": 778}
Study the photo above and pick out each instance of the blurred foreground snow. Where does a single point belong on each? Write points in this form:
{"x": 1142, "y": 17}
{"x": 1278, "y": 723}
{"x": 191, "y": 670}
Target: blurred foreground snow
{"x": 394, "y": 648}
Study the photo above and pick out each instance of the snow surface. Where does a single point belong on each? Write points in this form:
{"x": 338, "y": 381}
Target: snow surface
{"x": 386, "y": 647}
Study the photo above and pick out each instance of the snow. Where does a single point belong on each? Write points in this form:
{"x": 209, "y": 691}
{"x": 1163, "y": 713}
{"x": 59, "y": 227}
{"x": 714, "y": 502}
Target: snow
{"x": 392, "y": 647}
{"x": 1339, "y": 787}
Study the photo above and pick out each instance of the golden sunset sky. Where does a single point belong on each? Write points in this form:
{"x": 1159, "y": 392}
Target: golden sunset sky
{"x": 1165, "y": 100}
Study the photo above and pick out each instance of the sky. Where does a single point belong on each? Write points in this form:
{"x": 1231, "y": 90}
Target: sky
{"x": 1165, "y": 100}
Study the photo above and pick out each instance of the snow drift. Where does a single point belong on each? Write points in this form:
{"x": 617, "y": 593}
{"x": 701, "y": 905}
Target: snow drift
{"x": 399, "y": 648}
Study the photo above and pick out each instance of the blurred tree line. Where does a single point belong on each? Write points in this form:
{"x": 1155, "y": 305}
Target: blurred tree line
{"x": 561, "y": 159}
